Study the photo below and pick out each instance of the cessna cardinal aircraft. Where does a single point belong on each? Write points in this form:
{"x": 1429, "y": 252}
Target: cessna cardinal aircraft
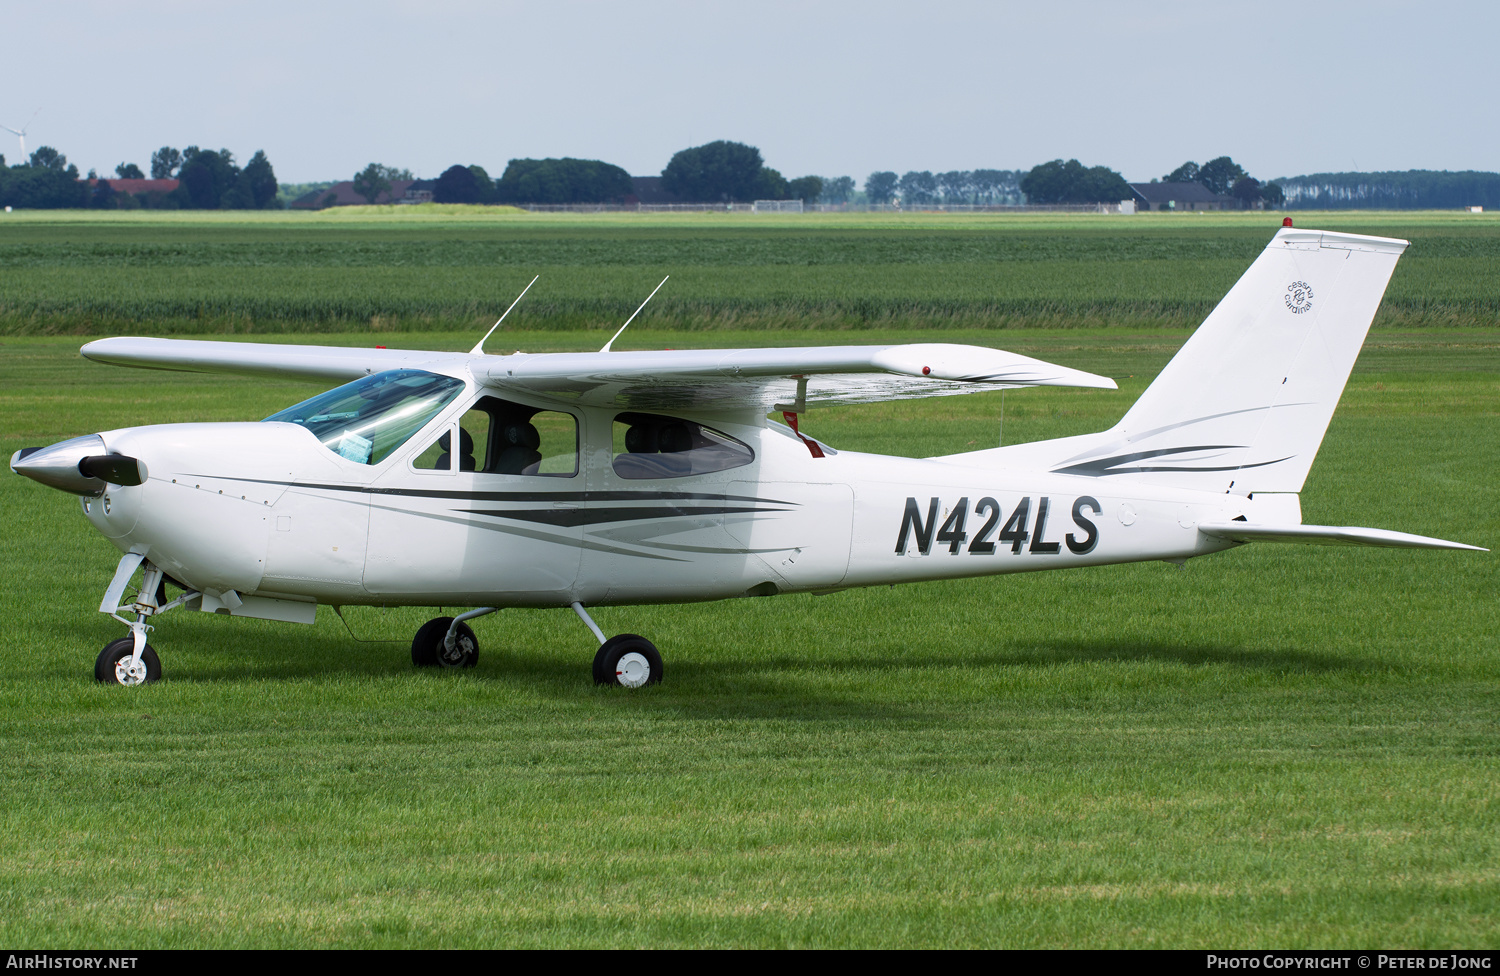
{"x": 589, "y": 479}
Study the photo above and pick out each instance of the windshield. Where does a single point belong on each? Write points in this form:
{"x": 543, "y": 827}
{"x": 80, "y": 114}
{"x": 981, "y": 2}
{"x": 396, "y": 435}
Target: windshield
{"x": 366, "y": 420}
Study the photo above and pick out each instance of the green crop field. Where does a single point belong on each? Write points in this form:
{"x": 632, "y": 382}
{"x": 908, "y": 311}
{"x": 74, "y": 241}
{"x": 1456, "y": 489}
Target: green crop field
{"x": 401, "y": 268}
{"x": 1273, "y": 746}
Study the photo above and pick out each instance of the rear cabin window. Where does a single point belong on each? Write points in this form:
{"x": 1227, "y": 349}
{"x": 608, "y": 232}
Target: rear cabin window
{"x": 648, "y": 446}
{"x": 500, "y": 437}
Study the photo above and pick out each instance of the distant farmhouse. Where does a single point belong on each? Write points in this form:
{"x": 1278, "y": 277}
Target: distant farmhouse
{"x": 343, "y": 195}
{"x": 1180, "y": 196}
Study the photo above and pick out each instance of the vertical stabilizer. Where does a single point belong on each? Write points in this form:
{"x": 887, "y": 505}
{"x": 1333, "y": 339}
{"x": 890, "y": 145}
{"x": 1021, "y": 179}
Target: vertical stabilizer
{"x": 1244, "y": 404}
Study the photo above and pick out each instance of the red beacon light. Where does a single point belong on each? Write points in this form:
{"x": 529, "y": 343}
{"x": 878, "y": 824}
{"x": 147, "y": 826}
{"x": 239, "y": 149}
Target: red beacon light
{"x": 926, "y": 370}
{"x": 1286, "y": 221}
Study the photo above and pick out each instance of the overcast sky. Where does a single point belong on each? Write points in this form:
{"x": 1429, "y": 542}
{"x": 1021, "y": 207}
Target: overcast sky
{"x": 829, "y": 88}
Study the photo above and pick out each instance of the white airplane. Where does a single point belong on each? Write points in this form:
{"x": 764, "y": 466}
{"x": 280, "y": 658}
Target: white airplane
{"x": 593, "y": 479}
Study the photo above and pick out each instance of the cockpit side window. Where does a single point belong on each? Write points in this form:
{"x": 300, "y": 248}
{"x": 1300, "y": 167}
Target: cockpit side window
{"x": 366, "y": 420}
{"x": 648, "y": 446}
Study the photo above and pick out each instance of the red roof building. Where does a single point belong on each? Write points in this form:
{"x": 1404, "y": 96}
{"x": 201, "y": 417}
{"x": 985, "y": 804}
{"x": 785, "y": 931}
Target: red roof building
{"x": 139, "y": 186}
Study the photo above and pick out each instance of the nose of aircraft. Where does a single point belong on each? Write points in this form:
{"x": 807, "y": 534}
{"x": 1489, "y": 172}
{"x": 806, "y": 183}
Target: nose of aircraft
{"x": 81, "y": 466}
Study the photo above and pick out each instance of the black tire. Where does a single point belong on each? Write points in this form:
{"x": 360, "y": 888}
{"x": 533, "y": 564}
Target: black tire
{"x": 607, "y": 669}
{"x": 116, "y": 651}
{"x": 427, "y": 650}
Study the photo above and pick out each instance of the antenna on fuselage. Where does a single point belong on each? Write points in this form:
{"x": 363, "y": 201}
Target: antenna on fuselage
{"x": 478, "y": 349}
{"x": 633, "y": 315}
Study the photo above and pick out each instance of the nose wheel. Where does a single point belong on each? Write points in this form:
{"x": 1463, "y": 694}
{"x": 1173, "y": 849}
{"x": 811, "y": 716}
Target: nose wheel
{"x": 116, "y": 664}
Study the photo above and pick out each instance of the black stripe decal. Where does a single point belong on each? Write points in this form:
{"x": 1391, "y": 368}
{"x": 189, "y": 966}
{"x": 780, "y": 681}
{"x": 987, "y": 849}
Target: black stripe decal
{"x": 571, "y": 517}
{"x": 512, "y": 496}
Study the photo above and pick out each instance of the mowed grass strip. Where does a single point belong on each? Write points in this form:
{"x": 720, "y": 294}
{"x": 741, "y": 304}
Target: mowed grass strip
{"x": 1275, "y": 746}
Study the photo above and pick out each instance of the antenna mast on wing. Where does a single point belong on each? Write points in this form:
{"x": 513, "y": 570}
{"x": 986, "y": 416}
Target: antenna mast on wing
{"x": 478, "y": 349}
{"x": 633, "y": 315}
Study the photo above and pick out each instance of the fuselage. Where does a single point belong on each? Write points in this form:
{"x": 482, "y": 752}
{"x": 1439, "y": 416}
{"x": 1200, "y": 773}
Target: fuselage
{"x": 270, "y": 510}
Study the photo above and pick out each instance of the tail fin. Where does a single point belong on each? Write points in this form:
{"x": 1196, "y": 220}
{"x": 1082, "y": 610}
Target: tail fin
{"x": 1244, "y": 404}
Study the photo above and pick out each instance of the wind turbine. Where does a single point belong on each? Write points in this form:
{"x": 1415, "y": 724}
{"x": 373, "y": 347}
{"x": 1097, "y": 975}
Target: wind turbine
{"x": 21, "y": 132}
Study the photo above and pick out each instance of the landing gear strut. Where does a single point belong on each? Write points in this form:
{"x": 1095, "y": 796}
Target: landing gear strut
{"x": 625, "y": 660}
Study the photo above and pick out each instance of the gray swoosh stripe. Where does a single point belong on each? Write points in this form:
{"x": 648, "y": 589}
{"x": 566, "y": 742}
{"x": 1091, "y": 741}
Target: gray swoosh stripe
{"x": 1110, "y": 465}
{"x": 528, "y": 533}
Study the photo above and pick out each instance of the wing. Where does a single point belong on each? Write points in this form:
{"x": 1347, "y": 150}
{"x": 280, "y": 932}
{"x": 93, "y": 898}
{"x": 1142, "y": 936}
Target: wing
{"x": 704, "y": 378}
{"x": 767, "y": 378}
{"x": 340, "y": 363}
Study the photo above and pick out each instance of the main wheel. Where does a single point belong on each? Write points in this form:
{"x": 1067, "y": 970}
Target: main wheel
{"x": 629, "y": 661}
{"x": 113, "y": 664}
{"x": 427, "y": 650}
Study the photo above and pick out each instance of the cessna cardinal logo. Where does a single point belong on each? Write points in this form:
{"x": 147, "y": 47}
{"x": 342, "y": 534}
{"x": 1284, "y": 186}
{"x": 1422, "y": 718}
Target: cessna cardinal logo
{"x": 1299, "y": 297}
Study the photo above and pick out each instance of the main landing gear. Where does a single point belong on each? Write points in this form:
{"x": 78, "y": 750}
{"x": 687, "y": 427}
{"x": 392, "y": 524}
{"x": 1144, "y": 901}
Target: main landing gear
{"x": 625, "y": 660}
{"x": 448, "y": 642}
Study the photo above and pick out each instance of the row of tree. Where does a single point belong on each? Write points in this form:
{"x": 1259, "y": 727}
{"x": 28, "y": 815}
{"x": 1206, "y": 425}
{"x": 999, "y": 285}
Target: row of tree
{"x": 535, "y": 181}
{"x": 45, "y": 181}
{"x": 207, "y": 180}
{"x": 1054, "y": 182}
{"x": 1417, "y": 189}
{"x": 1058, "y": 182}
{"x": 210, "y": 180}
{"x": 1072, "y": 182}
{"x": 717, "y": 172}
{"x": 725, "y": 172}
{"x": 991, "y": 187}
{"x": 732, "y": 172}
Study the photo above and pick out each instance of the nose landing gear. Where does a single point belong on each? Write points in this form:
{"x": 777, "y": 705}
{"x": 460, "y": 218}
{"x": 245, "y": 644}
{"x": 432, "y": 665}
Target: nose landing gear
{"x": 130, "y": 661}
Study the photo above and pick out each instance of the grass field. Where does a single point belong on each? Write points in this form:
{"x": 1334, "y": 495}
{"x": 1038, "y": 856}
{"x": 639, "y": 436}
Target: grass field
{"x": 1275, "y": 746}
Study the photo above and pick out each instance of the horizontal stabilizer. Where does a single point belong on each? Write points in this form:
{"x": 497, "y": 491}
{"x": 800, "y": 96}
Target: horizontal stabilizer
{"x": 1326, "y": 535}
